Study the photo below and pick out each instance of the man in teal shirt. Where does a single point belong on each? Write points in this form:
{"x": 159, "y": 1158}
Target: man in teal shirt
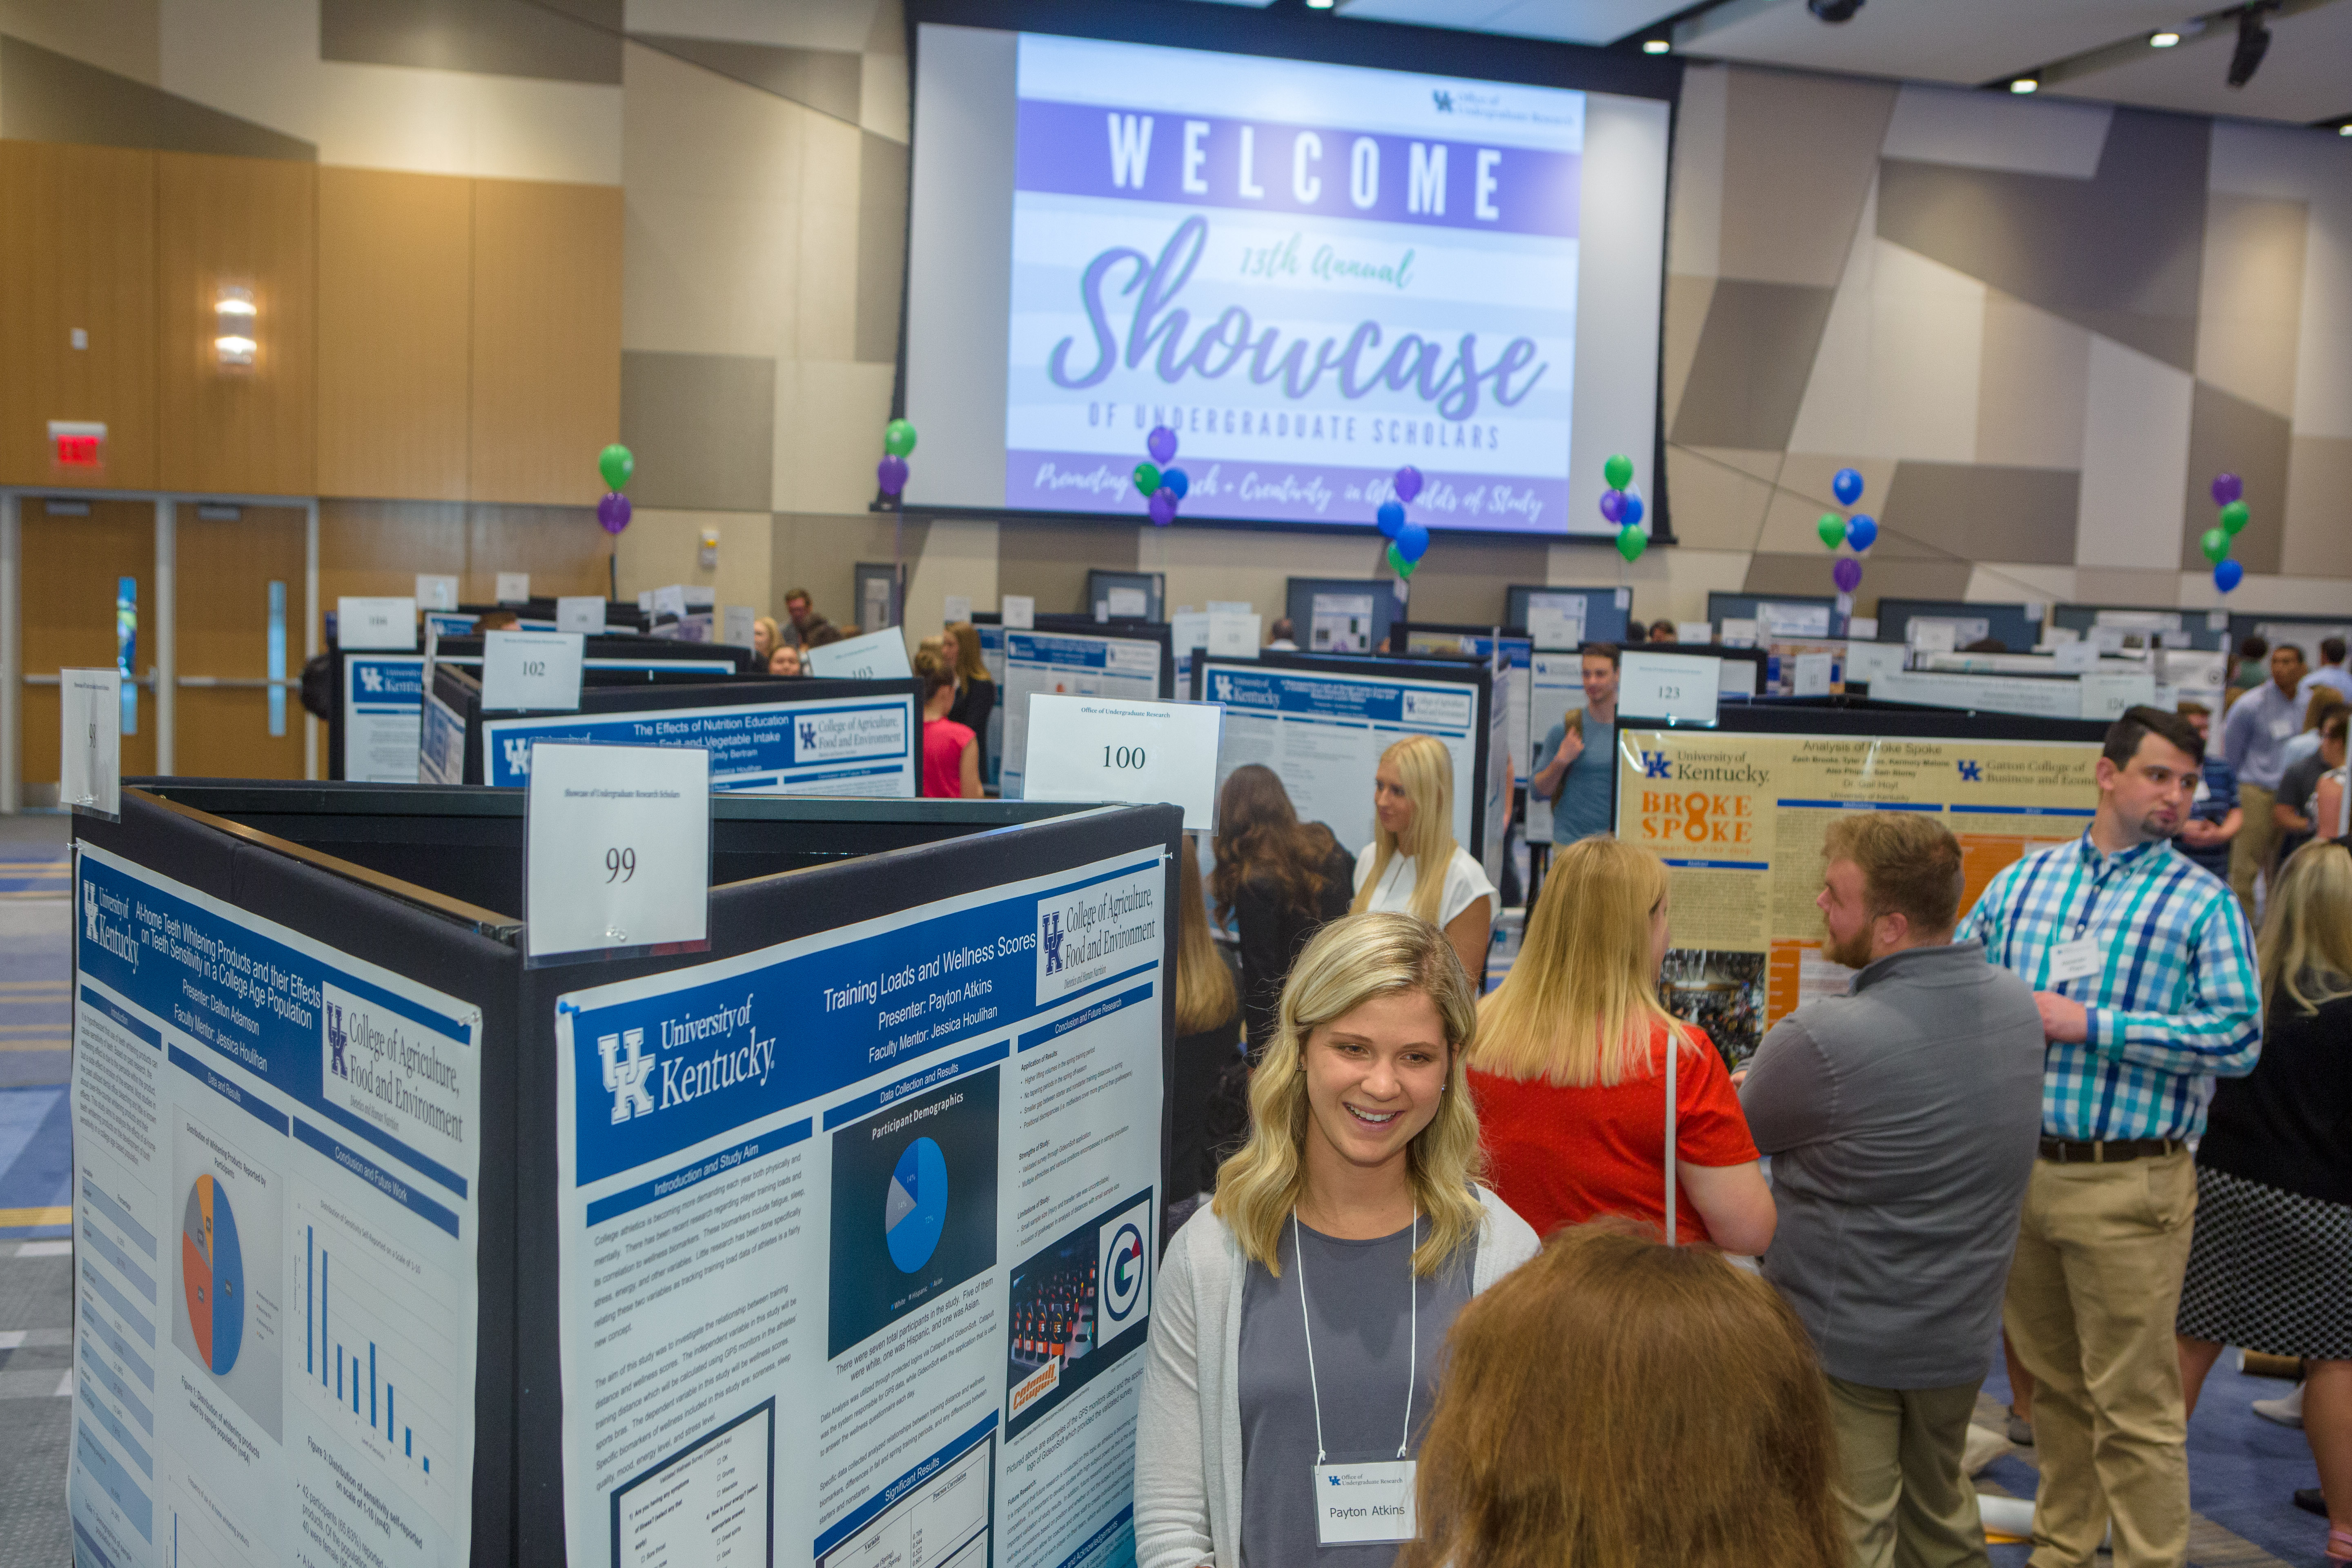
{"x": 1573, "y": 772}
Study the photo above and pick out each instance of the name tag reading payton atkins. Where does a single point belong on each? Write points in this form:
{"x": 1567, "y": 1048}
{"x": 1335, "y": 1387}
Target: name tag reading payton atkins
{"x": 1364, "y": 1502}
{"x": 617, "y": 850}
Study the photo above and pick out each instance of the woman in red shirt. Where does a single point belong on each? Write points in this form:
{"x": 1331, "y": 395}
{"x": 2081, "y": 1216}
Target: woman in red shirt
{"x": 1570, "y": 1069}
{"x": 950, "y": 760}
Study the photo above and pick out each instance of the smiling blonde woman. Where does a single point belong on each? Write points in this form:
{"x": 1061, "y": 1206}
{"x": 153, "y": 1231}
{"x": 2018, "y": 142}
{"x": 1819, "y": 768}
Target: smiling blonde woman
{"x": 1413, "y": 864}
{"x": 1299, "y": 1321}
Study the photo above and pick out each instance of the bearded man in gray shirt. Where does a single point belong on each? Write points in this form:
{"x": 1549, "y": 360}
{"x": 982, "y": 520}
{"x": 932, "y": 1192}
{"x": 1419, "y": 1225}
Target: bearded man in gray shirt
{"x": 1902, "y": 1120}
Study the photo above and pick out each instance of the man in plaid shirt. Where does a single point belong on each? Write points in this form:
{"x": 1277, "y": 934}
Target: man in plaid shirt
{"x": 2144, "y": 973}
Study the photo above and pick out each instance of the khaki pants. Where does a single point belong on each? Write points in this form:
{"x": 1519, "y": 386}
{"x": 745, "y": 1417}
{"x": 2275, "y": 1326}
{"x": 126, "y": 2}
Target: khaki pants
{"x": 1905, "y": 1499}
{"x": 2092, "y": 1294}
{"x": 2250, "y": 849}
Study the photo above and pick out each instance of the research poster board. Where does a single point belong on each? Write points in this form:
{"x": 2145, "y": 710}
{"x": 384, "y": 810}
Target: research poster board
{"x": 1519, "y": 655}
{"x": 861, "y": 746}
{"x": 266, "y": 1129}
{"x": 1739, "y": 818}
{"x": 1323, "y": 725}
{"x": 905, "y": 1172}
{"x": 1070, "y": 664}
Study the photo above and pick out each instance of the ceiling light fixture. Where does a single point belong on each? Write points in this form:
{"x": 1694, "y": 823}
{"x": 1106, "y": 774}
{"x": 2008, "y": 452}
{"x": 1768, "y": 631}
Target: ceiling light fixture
{"x": 2162, "y": 40}
{"x": 1655, "y": 45}
{"x": 2025, "y": 84}
{"x": 1834, "y": 11}
{"x": 2254, "y": 43}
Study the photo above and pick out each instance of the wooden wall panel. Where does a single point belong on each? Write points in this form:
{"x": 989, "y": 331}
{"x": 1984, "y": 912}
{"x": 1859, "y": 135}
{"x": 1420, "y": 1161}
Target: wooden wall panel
{"x": 546, "y": 339}
{"x": 561, "y": 547}
{"x": 395, "y": 256}
{"x": 250, "y": 221}
{"x": 377, "y": 547}
{"x": 79, "y": 252}
{"x": 221, "y": 619}
{"x": 70, "y": 565}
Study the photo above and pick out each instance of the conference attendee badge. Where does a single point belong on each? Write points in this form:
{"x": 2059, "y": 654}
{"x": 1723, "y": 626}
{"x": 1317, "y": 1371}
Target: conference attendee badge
{"x": 90, "y": 748}
{"x": 1127, "y": 750}
{"x": 617, "y": 851}
{"x": 2076, "y": 960}
{"x": 1370, "y": 1503}
{"x": 535, "y": 671}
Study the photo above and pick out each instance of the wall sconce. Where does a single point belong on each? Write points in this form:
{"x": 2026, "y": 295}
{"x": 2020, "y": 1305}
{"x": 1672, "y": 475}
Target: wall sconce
{"x": 235, "y": 322}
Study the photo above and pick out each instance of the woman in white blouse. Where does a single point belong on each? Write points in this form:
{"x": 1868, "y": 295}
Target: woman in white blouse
{"x": 1413, "y": 798}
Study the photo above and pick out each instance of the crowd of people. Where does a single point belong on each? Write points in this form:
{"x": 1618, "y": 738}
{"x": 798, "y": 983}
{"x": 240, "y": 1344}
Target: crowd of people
{"x": 1453, "y": 1278}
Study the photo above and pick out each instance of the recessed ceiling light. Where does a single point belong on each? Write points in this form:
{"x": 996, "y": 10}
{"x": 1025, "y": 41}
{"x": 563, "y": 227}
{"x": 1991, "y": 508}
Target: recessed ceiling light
{"x": 2024, "y": 84}
{"x": 2345, "y": 129}
{"x": 1319, "y": 4}
{"x": 2162, "y": 40}
{"x": 1655, "y": 45}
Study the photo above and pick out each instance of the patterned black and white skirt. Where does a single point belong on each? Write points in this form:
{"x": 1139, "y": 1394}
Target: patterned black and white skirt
{"x": 2267, "y": 1270}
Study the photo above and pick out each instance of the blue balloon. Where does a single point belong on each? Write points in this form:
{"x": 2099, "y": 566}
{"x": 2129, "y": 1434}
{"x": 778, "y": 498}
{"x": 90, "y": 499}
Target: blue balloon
{"x": 1632, "y": 515}
{"x": 1847, "y": 487}
{"x": 1176, "y": 480}
{"x": 2227, "y": 574}
{"x": 1390, "y": 517}
{"x": 1862, "y": 531}
{"x": 1413, "y": 541}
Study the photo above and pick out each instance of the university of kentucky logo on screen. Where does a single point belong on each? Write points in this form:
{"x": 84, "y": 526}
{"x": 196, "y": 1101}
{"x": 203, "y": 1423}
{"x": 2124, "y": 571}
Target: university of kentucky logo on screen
{"x": 1313, "y": 274}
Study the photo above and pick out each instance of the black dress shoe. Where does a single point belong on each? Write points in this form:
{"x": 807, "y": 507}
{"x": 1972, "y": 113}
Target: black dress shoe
{"x": 2309, "y": 1499}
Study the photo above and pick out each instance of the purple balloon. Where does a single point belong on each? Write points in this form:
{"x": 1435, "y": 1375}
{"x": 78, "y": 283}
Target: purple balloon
{"x": 612, "y": 511}
{"x": 1163, "y": 507}
{"x": 1613, "y": 505}
{"x": 1160, "y": 444}
{"x": 2226, "y": 487}
{"x": 1846, "y": 573}
{"x": 892, "y": 472}
{"x": 1407, "y": 482}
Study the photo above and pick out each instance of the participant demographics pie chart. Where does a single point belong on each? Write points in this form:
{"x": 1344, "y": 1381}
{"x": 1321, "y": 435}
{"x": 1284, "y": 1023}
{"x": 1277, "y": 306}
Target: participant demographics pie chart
{"x": 915, "y": 1212}
{"x": 212, "y": 1272}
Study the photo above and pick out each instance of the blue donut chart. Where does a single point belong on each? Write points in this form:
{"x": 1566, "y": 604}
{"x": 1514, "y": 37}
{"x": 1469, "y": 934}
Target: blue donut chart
{"x": 915, "y": 1207}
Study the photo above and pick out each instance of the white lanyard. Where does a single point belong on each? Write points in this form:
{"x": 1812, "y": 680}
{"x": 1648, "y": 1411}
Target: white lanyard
{"x": 1674, "y": 1050}
{"x": 1413, "y": 1354}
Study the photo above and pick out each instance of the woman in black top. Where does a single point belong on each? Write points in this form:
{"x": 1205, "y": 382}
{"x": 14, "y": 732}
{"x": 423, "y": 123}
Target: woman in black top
{"x": 1209, "y": 1035}
{"x": 975, "y": 688}
{"x": 2273, "y": 1251}
{"x": 1278, "y": 879}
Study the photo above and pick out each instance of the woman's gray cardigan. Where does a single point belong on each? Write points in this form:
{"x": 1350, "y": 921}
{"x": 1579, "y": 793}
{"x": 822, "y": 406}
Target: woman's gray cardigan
{"x": 1190, "y": 1428}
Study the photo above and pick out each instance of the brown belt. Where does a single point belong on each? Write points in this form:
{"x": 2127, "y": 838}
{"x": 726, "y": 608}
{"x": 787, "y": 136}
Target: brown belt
{"x": 2069, "y": 1152}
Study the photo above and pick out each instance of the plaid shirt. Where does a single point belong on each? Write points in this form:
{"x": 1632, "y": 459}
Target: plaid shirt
{"x": 2175, "y": 1007}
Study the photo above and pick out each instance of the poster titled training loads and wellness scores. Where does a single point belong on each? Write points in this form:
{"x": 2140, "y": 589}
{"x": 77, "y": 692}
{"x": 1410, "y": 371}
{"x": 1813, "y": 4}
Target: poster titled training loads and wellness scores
{"x": 1739, "y": 820}
{"x": 1314, "y": 273}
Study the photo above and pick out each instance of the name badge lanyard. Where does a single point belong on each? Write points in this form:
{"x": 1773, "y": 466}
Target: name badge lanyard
{"x": 1373, "y": 1501}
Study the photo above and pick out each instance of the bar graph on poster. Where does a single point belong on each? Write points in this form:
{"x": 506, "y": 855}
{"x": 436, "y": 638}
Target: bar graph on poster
{"x": 375, "y": 1337}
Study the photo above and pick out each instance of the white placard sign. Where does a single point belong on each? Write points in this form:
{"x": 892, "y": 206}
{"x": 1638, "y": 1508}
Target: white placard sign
{"x": 1238, "y": 606}
{"x": 584, "y": 614}
{"x": 1863, "y": 628}
{"x": 1738, "y": 631}
{"x": 1190, "y": 629}
{"x": 1933, "y": 637}
{"x": 1138, "y": 754}
{"x": 1782, "y": 620}
{"x": 877, "y": 655}
{"x": 1555, "y": 621}
{"x": 1872, "y": 661}
{"x": 375, "y": 623}
{"x": 1677, "y": 686}
{"x": 736, "y": 624}
{"x": 616, "y": 849}
{"x": 1234, "y": 633}
{"x": 2105, "y": 694}
{"x": 536, "y": 670}
{"x": 1128, "y": 601}
{"x": 955, "y": 608}
{"x": 1811, "y": 676}
{"x": 514, "y": 587}
{"x": 436, "y": 593}
{"x": 90, "y": 745}
{"x": 1018, "y": 610}
{"x": 1694, "y": 631}
{"x": 2075, "y": 658}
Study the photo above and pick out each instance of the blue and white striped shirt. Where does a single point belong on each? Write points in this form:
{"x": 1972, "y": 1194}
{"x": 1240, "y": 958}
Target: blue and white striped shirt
{"x": 2175, "y": 1005}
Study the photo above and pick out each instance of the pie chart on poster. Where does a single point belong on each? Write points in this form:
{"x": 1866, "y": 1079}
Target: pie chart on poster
{"x": 211, "y": 1273}
{"x": 915, "y": 1212}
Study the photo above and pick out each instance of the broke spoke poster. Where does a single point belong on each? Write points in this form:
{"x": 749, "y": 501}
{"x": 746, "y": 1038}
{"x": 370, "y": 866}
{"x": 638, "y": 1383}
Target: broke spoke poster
{"x": 856, "y": 1234}
{"x": 1739, "y": 821}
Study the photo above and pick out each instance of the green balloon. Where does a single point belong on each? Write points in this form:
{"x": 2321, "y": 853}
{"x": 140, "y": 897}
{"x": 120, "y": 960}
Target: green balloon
{"x": 617, "y": 463}
{"x": 2215, "y": 544}
{"x": 1632, "y": 542}
{"x": 898, "y": 438}
{"x": 1147, "y": 477}
{"x": 2235, "y": 517}
{"x": 1400, "y": 565}
{"x": 1618, "y": 471}
{"x": 1831, "y": 528}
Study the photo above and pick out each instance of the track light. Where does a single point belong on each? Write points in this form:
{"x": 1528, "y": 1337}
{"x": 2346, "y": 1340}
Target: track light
{"x": 2162, "y": 40}
{"x": 2254, "y": 43}
{"x": 1834, "y": 11}
{"x": 1655, "y": 45}
{"x": 2025, "y": 84}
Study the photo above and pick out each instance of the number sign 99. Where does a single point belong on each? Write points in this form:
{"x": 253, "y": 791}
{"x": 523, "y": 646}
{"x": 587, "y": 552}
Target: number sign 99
{"x": 620, "y": 864}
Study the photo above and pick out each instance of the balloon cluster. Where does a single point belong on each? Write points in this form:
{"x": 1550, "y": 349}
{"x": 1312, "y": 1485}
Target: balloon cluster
{"x": 617, "y": 464}
{"x": 1860, "y": 530}
{"x": 897, "y": 440}
{"x": 2229, "y": 494}
{"x": 1162, "y": 487}
{"x": 1620, "y": 503}
{"x": 1408, "y": 542}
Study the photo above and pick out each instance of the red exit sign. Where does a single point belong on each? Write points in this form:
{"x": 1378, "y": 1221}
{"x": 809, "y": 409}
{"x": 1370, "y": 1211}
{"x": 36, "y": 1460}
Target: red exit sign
{"x": 78, "y": 443}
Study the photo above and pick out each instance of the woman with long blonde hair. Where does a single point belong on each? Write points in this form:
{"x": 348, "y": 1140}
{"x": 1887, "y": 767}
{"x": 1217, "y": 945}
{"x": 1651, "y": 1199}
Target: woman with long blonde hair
{"x": 1297, "y": 1322}
{"x": 1413, "y": 865}
{"x": 1616, "y": 1403}
{"x": 2272, "y": 1248}
{"x": 1208, "y": 1034}
{"x": 1570, "y": 1067}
